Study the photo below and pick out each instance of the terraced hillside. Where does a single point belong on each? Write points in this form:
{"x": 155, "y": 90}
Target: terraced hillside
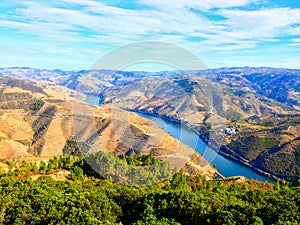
{"x": 261, "y": 105}
{"x": 45, "y": 123}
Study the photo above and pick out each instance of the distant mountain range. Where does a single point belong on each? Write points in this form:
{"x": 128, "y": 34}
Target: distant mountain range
{"x": 262, "y": 104}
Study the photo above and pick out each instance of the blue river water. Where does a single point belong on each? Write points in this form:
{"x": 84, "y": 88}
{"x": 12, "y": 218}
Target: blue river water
{"x": 187, "y": 136}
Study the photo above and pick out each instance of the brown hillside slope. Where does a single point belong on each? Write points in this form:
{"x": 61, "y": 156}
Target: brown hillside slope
{"x": 34, "y": 124}
{"x": 267, "y": 137}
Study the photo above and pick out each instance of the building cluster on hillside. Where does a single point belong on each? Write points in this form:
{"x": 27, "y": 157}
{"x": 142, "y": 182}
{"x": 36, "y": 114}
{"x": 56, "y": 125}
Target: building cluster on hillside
{"x": 229, "y": 131}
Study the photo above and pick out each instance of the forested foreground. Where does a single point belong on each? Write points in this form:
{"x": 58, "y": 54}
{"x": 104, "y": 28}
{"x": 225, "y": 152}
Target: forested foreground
{"x": 86, "y": 198}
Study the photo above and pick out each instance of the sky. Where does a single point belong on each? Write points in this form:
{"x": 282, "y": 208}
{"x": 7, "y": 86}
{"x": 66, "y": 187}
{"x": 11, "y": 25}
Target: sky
{"x": 74, "y": 34}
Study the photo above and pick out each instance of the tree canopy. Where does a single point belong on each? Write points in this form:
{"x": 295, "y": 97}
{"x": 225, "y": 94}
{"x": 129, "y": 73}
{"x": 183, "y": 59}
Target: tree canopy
{"x": 85, "y": 197}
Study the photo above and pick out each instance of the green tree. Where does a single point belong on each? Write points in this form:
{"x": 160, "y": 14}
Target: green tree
{"x": 43, "y": 166}
{"x": 76, "y": 174}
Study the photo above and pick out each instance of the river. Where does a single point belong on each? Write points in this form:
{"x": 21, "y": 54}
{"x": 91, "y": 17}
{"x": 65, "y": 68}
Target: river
{"x": 187, "y": 136}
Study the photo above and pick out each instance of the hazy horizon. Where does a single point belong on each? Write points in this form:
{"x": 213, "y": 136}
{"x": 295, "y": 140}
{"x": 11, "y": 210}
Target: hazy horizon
{"x": 148, "y": 71}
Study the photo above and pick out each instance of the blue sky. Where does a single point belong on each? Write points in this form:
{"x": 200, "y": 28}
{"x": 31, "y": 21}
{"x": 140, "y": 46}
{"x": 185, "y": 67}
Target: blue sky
{"x": 73, "y": 34}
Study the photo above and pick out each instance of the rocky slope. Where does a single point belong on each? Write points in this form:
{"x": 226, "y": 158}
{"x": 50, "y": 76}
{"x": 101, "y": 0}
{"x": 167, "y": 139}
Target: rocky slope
{"x": 262, "y": 105}
{"x": 38, "y": 119}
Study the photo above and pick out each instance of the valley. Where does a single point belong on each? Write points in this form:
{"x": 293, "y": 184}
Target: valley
{"x": 44, "y": 122}
{"x": 150, "y": 112}
{"x": 263, "y": 115}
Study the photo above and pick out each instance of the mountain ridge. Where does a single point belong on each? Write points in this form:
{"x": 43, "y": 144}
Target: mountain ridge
{"x": 236, "y": 96}
{"x": 35, "y": 124}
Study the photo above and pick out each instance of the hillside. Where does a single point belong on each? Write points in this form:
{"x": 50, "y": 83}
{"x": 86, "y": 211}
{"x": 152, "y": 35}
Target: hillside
{"x": 262, "y": 104}
{"x": 44, "y": 123}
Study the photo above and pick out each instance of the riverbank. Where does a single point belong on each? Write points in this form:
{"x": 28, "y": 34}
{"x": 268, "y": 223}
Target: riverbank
{"x": 211, "y": 144}
{"x": 245, "y": 163}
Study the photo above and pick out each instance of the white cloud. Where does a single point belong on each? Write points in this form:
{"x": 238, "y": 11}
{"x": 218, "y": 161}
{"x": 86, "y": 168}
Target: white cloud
{"x": 98, "y": 22}
{"x": 79, "y": 23}
{"x": 111, "y": 22}
{"x": 195, "y": 4}
{"x": 247, "y": 29}
{"x": 265, "y": 23}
